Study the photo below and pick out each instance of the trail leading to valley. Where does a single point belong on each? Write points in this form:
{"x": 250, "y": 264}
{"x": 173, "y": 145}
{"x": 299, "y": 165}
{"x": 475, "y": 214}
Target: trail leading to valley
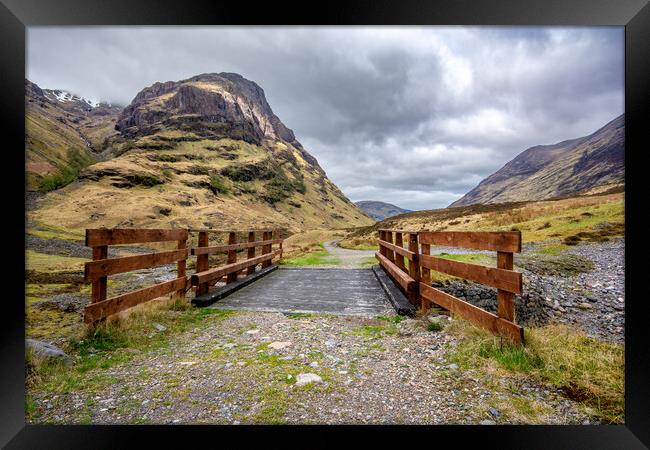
{"x": 347, "y": 258}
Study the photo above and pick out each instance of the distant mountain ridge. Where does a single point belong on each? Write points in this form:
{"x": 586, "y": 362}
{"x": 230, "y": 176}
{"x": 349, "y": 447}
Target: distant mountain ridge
{"x": 380, "y": 210}
{"x": 548, "y": 171}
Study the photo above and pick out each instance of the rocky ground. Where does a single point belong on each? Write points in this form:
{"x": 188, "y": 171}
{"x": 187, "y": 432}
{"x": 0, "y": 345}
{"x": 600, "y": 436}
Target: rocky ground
{"x": 583, "y": 287}
{"x": 249, "y": 367}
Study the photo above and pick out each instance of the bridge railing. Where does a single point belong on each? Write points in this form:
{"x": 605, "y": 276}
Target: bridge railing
{"x": 400, "y": 264}
{"x": 98, "y": 270}
{"x": 416, "y": 283}
{"x": 205, "y": 275}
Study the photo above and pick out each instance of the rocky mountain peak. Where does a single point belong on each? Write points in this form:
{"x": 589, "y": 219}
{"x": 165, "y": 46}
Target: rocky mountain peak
{"x": 212, "y": 105}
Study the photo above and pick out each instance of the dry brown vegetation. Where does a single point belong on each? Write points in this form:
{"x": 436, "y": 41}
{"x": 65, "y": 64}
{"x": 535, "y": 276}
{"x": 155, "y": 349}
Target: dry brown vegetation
{"x": 538, "y": 221}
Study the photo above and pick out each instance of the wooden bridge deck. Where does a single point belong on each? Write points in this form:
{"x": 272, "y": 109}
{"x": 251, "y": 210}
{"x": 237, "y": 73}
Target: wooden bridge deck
{"x": 298, "y": 290}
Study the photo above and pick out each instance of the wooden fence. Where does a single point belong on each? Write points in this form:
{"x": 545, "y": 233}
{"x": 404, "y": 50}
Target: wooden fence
{"x": 98, "y": 270}
{"x": 205, "y": 275}
{"x": 415, "y": 280}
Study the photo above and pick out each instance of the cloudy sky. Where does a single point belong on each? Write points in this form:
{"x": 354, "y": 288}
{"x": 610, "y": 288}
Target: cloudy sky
{"x": 415, "y": 116}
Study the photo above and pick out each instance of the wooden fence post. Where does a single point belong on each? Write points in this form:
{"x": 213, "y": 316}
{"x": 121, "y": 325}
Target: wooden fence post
{"x": 388, "y": 237}
{"x": 382, "y": 236}
{"x": 202, "y": 263}
{"x": 98, "y": 292}
{"x": 266, "y": 248}
{"x": 399, "y": 259}
{"x": 425, "y": 275}
{"x": 232, "y": 257}
{"x": 180, "y": 268}
{"x": 251, "y": 252}
{"x": 505, "y": 299}
{"x": 414, "y": 269}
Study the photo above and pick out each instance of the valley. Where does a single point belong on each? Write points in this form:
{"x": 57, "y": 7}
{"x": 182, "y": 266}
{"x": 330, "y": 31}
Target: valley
{"x": 208, "y": 152}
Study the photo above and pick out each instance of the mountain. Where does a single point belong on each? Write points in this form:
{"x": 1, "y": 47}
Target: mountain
{"x": 207, "y": 151}
{"x": 566, "y": 168}
{"x": 380, "y": 210}
{"x": 63, "y": 132}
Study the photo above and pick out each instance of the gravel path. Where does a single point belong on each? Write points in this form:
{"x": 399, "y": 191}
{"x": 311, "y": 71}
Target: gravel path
{"x": 347, "y": 258}
{"x": 249, "y": 367}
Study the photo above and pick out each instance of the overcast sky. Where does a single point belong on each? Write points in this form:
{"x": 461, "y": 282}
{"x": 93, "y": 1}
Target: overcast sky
{"x": 414, "y": 116}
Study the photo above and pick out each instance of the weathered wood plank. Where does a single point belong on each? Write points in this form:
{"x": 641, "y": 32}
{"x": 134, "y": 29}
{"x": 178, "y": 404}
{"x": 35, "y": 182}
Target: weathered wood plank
{"x": 103, "y": 309}
{"x": 505, "y": 299}
{"x": 181, "y": 265}
{"x": 201, "y": 250}
{"x": 398, "y": 249}
{"x": 251, "y": 252}
{"x": 266, "y": 249}
{"x": 414, "y": 270}
{"x": 218, "y": 272}
{"x": 425, "y": 272}
{"x": 502, "y": 241}
{"x": 382, "y": 237}
{"x": 232, "y": 257}
{"x": 98, "y": 289}
{"x": 115, "y": 236}
{"x": 202, "y": 262}
{"x": 103, "y": 267}
{"x": 507, "y": 280}
{"x": 473, "y": 313}
{"x": 390, "y": 254}
{"x": 400, "y": 277}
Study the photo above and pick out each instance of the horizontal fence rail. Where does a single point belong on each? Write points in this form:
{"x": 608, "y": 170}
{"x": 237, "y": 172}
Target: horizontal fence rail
{"x": 410, "y": 269}
{"x": 98, "y": 270}
{"x": 205, "y": 276}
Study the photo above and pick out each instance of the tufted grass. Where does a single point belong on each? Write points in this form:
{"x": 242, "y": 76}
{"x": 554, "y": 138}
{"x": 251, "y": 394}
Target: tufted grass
{"x": 587, "y": 370}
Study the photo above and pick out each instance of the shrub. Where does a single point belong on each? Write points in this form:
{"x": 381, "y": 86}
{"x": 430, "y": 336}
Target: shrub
{"x": 217, "y": 186}
{"x": 144, "y": 179}
{"x": 434, "y": 326}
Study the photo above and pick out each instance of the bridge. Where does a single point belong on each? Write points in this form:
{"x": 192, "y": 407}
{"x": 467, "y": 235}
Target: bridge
{"x": 242, "y": 271}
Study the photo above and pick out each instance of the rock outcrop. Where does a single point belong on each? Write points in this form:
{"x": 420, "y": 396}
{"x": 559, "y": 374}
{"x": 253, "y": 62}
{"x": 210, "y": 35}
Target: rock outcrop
{"x": 211, "y": 105}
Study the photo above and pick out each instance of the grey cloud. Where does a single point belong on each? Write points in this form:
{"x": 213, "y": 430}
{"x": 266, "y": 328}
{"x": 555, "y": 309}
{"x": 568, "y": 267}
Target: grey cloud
{"x": 412, "y": 115}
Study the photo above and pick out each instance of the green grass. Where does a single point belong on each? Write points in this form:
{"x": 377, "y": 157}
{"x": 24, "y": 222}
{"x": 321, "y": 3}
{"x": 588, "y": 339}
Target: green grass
{"x": 42, "y": 262}
{"x": 115, "y": 342}
{"x": 299, "y": 315}
{"x": 551, "y": 249}
{"x": 368, "y": 262}
{"x": 434, "y": 326}
{"x": 217, "y": 185}
{"x": 319, "y": 257}
{"x": 392, "y": 319}
{"x": 589, "y": 371}
{"x": 66, "y": 174}
{"x": 474, "y": 258}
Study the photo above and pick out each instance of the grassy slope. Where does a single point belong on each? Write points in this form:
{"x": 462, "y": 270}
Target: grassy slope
{"x": 538, "y": 221}
{"x": 98, "y": 203}
{"x": 53, "y": 147}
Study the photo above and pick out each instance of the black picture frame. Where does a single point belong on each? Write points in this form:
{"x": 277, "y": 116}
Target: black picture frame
{"x": 16, "y": 15}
